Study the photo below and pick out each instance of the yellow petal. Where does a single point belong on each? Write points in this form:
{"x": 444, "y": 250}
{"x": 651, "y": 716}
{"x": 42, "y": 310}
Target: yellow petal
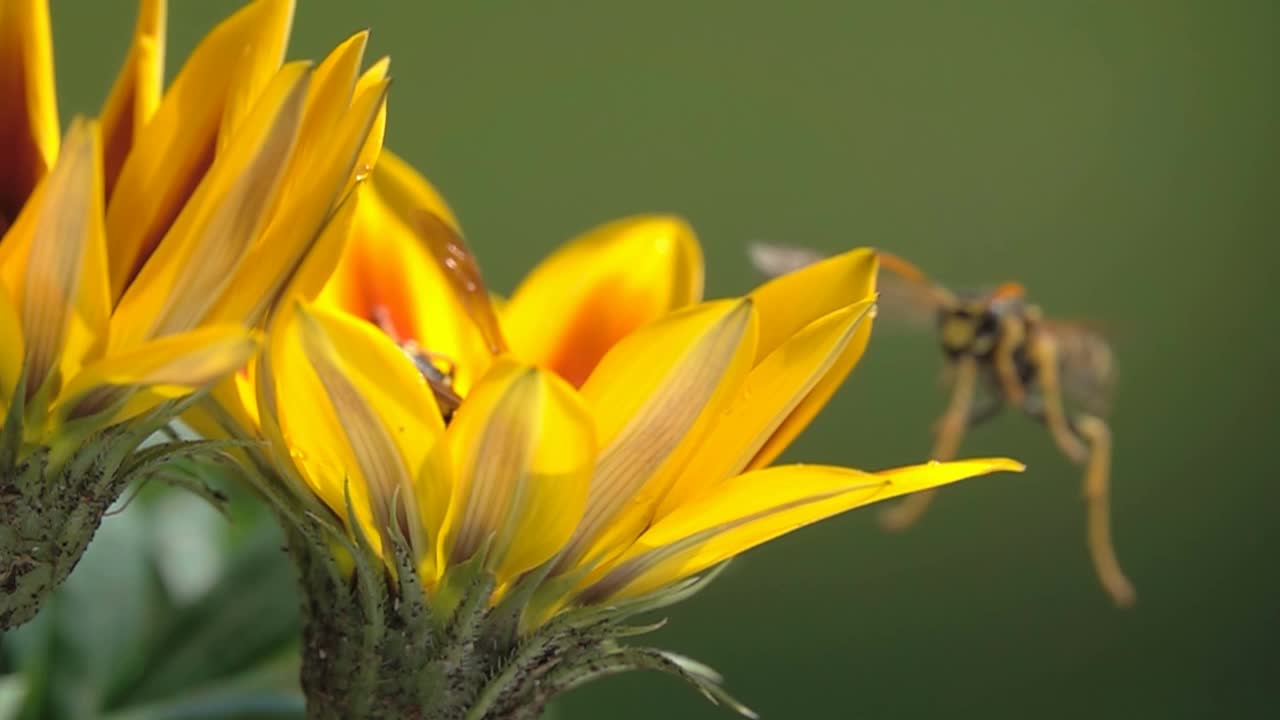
{"x": 521, "y": 451}
{"x": 232, "y": 410}
{"x": 369, "y": 155}
{"x": 322, "y": 258}
{"x": 136, "y": 91}
{"x": 306, "y": 205}
{"x": 448, "y": 252}
{"x": 388, "y": 277}
{"x": 760, "y": 506}
{"x": 29, "y": 119}
{"x": 15, "y": 242}
{"x": 771, "y": 392}
{"x": 462, "y": 274}
{"x": 172, "y": 154}
{"x": 403, "y": 187}
{"x": 792, "y": 301}
{"x": 290, "y": 461}
{"x": 384, "y": 469}
{"x": 207, "y": 244}
{"x": 310, "y": 428}
{"x": 352, "y": 408}
{"x": 266, "y": 421}
{"x": 244, "y": 413}
{"x": 258, "y": 62}
{"x": 171, "y": 367}
{"x": 328, "y": 100}
{"x": 600, "y": 287}
{"x": 654, "y": 396}
{"x": 385, "y": 377}
{"x": 11, "y": 350}
{"x": 63, "y": 287}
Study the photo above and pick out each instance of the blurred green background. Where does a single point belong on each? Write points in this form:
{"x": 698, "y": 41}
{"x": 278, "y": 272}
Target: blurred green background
{"x": 1121, "y": 159}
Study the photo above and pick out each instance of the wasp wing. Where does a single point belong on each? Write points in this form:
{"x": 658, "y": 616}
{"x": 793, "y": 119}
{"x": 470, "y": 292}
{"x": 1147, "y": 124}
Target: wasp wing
{"x": 906, "y": 296}
{"x": 462, "y": 273}
{"x": 1086, "y": 364}
{"x": 775, "y": 260}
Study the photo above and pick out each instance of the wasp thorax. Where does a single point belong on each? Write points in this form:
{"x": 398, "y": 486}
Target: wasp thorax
{"x": 968, "y": 330}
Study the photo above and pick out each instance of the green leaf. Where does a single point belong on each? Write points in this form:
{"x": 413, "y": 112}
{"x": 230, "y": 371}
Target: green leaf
{"x": 242, "y": 700}
{"x": 249, "y": 615}
{"x": 254, "y": 696}
{"x": 13, "y": 692}
{"x": 262, "y": 705}
{"x": 93, "y": 621}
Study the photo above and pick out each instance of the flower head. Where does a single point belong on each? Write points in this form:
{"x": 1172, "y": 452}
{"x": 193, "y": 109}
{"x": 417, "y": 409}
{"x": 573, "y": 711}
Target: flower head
{"x": 137, "y": 258}
{"x": 140, "y": 254}
{"x": 400, "y": 272}
{"x": 655, "y": 469}
{"x": 506, "y": 481}
{"x": 523, "y": 526}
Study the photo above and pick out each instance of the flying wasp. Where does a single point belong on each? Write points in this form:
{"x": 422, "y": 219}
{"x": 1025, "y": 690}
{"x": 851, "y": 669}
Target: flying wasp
{"x": 1000, "y": 351}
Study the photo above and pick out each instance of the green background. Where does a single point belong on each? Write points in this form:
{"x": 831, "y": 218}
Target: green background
{"x": 1122, "y": 159}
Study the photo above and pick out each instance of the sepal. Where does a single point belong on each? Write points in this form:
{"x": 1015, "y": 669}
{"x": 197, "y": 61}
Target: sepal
{"x": 381, "y": 642}
{"x": 626, "y": 659}
{"x": 54, "y": 497}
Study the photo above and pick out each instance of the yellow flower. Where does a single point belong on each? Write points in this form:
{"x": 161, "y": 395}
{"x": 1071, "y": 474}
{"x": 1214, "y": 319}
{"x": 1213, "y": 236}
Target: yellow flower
{"x": 136, "y": 259}
{"x": 563, "y": 316}
{"x": 485, "y": 491}
{"x": 653, "y": 471}
{"x": 706, "y": 394}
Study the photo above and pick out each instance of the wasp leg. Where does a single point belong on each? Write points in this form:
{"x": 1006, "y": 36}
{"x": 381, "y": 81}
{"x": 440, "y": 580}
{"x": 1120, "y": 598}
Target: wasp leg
{"x": 1097, "y": 461}
{"x": 1045, "y": 355}
{"x": 910, "y": 509}
{"x": 985, "y": 409}
{"x": 950, "y": 431}
{"x": 1005, "y": 365}
{"x": 1097, "y": 498}
{"x": 449, "y": 366}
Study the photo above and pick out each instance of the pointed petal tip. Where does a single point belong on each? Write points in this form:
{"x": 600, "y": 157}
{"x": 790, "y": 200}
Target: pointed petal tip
{"x": 302, "y": 67}
{"x": 859, "y": 261}
{"x": 380, "y": 67}
{"x": 791, "y": 300}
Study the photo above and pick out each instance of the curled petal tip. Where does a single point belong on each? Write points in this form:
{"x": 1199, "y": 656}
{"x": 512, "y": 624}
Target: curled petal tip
{"x": 981, "y": 466}
{"x": 1006, "y": 465}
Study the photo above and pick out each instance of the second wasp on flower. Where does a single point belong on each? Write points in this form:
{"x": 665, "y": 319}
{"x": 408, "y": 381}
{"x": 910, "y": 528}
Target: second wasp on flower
{"x": 578, "y": 479}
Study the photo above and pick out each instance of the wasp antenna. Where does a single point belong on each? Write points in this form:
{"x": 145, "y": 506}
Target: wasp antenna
{"x": 1009, "y": 291}
{"x": 898, "y": 266}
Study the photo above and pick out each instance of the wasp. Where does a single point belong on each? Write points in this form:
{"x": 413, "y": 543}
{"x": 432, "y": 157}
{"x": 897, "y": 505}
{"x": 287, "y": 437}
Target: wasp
{"x": 460, "y": 270}
{"x": 436, "y": 369}
{"x": 1001, "y": 351}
